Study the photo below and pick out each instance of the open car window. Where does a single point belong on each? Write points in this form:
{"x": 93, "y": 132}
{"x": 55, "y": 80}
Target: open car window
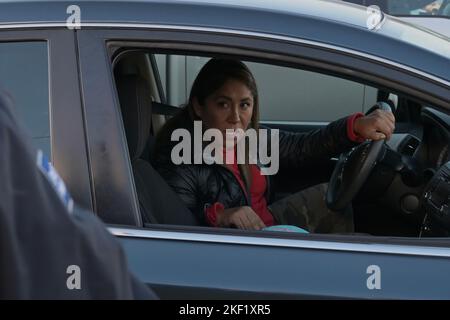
{"x": 293, "y": 99}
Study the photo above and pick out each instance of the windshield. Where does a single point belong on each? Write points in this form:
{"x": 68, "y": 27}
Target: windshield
{"x": 419, "y": 7}
{"x": 438, "y": 8}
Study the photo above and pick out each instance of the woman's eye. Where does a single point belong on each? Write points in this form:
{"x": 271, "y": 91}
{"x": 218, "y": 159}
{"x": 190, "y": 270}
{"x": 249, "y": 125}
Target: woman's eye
{"x": 245, "y": 105}
{"x": 223, "y": 104}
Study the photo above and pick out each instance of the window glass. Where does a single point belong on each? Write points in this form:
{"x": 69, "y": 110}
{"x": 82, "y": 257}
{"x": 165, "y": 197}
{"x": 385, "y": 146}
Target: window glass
{"x": 24, "y": 75}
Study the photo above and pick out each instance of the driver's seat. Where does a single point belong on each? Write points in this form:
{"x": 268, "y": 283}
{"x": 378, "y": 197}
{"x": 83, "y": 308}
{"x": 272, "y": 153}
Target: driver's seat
{"x": 158, "y": 202}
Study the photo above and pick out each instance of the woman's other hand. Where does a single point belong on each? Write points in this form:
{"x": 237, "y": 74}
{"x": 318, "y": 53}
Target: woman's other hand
{"x": 241, "y": 217}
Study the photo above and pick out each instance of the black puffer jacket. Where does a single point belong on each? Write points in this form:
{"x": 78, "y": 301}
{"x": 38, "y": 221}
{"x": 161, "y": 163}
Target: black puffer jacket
{"x": 201, "y": 184}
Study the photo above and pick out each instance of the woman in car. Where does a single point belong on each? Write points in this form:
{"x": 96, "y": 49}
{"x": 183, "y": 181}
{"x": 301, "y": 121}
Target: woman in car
{"x": 224, "y": 96}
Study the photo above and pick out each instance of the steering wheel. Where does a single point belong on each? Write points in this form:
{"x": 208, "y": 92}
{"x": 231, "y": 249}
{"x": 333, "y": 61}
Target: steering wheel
{"x": 352, "y": 171}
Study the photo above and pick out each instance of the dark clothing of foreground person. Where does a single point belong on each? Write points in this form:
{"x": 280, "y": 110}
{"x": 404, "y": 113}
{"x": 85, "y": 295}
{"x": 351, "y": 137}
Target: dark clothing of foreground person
{"x": 44, "y": 238}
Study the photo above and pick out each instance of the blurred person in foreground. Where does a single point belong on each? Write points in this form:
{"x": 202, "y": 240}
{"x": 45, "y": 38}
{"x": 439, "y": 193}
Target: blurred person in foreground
{"x": 44, "y": 238}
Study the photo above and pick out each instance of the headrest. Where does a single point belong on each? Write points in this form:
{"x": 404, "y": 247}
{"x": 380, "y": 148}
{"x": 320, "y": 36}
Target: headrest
{"x": 136, "y": 106}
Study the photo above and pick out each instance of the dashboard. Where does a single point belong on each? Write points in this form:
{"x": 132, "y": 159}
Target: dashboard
{"x": 437, "y": 137}
{"x": 421, "y": 186}
{"x": 429, "y": 143}
{"x": 436, "y": 195}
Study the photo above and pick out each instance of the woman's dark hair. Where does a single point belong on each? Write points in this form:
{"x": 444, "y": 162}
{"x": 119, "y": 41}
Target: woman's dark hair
{"x": 214, "y": 74}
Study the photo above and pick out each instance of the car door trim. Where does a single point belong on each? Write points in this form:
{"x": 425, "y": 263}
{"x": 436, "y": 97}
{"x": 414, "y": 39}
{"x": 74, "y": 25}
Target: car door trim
{"x": 235, "y": 33}
{"x": 287, "y": 243}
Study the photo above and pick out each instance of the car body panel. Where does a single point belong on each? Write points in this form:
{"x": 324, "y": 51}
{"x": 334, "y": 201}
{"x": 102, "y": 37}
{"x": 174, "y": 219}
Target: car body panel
{"x": 438, "y": 25}
{"x": 275, "y": 267}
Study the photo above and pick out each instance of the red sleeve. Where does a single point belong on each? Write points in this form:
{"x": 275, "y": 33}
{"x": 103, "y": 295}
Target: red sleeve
{"x": 350, "y": 123}
{"x": 211, "y": 212}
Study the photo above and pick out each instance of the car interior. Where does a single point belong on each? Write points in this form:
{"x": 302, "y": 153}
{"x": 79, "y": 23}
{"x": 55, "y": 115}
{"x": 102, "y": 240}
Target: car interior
{"x": 402, "y": 196}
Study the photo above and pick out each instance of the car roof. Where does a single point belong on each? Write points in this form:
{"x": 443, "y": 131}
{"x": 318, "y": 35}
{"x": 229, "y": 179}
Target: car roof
{"x": 108, "y": 10}
{"x": 334, "y": 23}
{"x": 17, "y": 11}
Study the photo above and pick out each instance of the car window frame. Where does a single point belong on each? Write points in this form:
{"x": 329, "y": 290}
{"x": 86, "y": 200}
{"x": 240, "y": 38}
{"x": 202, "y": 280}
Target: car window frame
{"x": 344, "y": 65}
{"x": 66, "y": 117}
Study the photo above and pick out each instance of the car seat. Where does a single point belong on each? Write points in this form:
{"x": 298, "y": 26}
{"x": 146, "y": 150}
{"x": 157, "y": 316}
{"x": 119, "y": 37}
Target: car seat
{"x": 158, "y": 202}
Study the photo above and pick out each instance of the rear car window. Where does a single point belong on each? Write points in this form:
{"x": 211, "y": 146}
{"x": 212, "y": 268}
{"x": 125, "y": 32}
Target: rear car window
{"x": 24, "y": 75}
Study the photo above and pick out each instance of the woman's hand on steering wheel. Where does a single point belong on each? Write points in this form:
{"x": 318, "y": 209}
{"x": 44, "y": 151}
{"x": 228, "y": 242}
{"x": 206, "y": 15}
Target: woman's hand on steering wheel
{"x": 378, "y": 125}
{"x": 353, "y": 168}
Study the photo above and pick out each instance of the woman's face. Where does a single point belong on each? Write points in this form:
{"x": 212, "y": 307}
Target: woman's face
{"x": 230, "y": 107}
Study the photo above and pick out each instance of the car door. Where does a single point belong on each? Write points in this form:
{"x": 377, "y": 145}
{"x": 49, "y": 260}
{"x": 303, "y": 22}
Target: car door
{"x": 39, "y": 71}
{"x": 201, "y": 262}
